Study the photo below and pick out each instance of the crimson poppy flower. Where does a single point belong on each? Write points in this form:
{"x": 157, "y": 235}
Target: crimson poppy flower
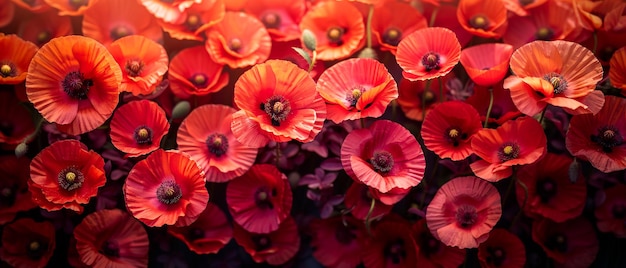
{"x": 15, "y": 57}
{"x": 502, "y": 110}
{"x": 390, "y": 244}
{"x": 208, "y": 234}
{"x": 463, "y": 212}
{"x": 16, "y": 122}
{"x": 617, "y": 70}
{"x": 193, "y": 72}
{"x": 14, "y": 194}
{"x": 611, "y": 213}
{"x": 111, "y": 238}
{"x": 599, "y": 138}
{"x": 34, "y": 6}
{"x": 138, "y": 127}
{"x": 502, "y": 249}
{"x": 166, "y": 188}
{"x": 338, "y": 28}
{"x": 278, "y": 102}
{"x": 275, "y": 247}
{"x": 516, "y": 142}
{"x": 198, "y": 17}
{"x": 73, "y": 81}
{"x": 260, "y": 200}
{"x": 551, "y": 193}
{"x": 168, "y": 11}
{"x": 358, "y": 200}
{"x": 483, "y": 18}
{"x": 65, "y": 175}
{"x": 428, "y": 53}
{"x": 26, "y": 243}
{"x": 416, "y": 100}
{"x": 570, "y": 244}
{"x": 432, "y": 252}
{"x": 523, "y": 8}
{"x": 7, "y": 11}
{"x": 356, "y": 88}
{"x": 487, "y": 64}
{"x": 392, "y": 21}
{"x": 239, "y": 40}
{"x": 142, "y": 61}
{"x": 42, "y": 28}
{"x": 383, "y": 156}
{"x": 280, "y": 18}
{"x": 337, "y": 241}
{"x": 205, "y": 135}
{"x": 448, "y": 129}
{"x": 71, "y": 8}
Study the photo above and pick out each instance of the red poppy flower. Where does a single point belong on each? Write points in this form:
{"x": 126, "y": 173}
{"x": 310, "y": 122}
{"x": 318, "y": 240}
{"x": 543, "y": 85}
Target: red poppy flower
{"x": 15, "y": 196}
{"x": 570, "y": 244}
{"x": 551, "y": 193}
{"x": 523, "y": 8}
{"x": 111, "y": 238}
{"x": 143, "y": 63}
{"x": 463, "y": 212}
{"x": 275, "y": 247}
{"x": 446, "y": 18}
{"x": 16, "y": 122}
{"x": 281, "y": 18}
{"x": 65, "y": 175}
{"x": 278, "y": 102}
{"x": 617, "y": 70}
{"x": 71, "y": 8}
{"x": 73, "y": 81}
{"x": 7, "y": 11}
{"x": 517, "y": 142}
{"x": 483, "y": 18}
{"x": 42, "y": 28}
{"x": 432, "y": 253}
{"x": 428, "y": 53}
{"x": 193, "y": 72}
{"x": 166, "y": 188}
{"x": 338, "y": 28}
{"x": 393, "y": 21}
{"x": 502, "y": 110}
{"x": 15, "y": 56}
{"x": 138, "y": 127}
{"x": 356, "y": 88}
{"x": 390, "y": 245}
{"x": 239, "y": 40}
{"x": 560, "y": 73}
{"x": 26, "y": 243}
{"x": 34, "y": 6}
{"x": 611, "y": 213}
{"x": 196, "y": 19}
{"x": 502, "y": 249}
{"x": 383, "y": 156}
{"x": 336, "y": 241}
{"x": 448, "y": 129}
{"x": 208, "y": 234}
{"x": 416, "y": 101}
{"x": 260, "y": 200}
{"x": 391, "y": 197}
{"x": 107, "y": 21}
{"x": 614, "y": 19}
{"x": 487, "y": 64}
{"x": 284, "y": 51}
{"x": 599, "y": 138}
{"x": 358, "y": 200}
{"x": 168, "y": 11}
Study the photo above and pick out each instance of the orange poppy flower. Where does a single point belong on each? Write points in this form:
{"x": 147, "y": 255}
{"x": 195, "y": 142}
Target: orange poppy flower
{"x": 208, "y": 234}
{"x": 197, "y": 18}
{"x": 463, "y": 212}
{"x": 143, "y": 63}
{"x": 239, "y": 40}
{"x": 281, "y": 18}
{"x": 428, "y": 53}
{"x": 16, "y": 121}
{"x": 560, "y": 73}
{"x": 432, "y": 252}
{"x": 516, "y": 142}
{"x": 336, "y": 241}
{"x": 107, "y": 21}
{"x": 393, "y": 21}
{"x": 356, "y": 88}
{"x": 614, "y": 19}
{"x": 169, "y": 11}
{"x": 166, "y": 188}
{"x": 487, "y": 64}
{"x": 73, "y": 7}
{"x": 278, "y": 102}
{"x": 502, "y": 109}
{"x": 138, "y": 127}
{"x": 205, "y": 135}
{"x": 523, "y": 8}
{"x": 65, "y": 175}
{"x": 610, "y": 213}
{"x": 275, "y": 248}
{"x": 73, "y": 81}
{"x": 415, "y": 101}
{"x": 502, "y": 249}
{"x": 7, "y": 11}
{"x": 193, "y": 72}
{"x": 34, "y": 6}
{"x": 617, "y": 70}
{"x": 588, "y": 13}
{"x": 27, "y": 243}
{"x": 486, "y": 18}
{"x": 573, "y": 243}
{"x": 338, "y": 28}
{"x": 15, "y": 56}
{"x": 111, "y": 238}
{"x": 43, "y": 27}
{"x": 16, "y": 198}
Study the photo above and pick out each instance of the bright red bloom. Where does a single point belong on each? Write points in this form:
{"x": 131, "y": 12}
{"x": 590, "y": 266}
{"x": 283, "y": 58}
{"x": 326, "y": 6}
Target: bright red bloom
{"x": 73, "y": 81}
{"x": 260, "y": 200}
{"x": 198, "y": 17}
{"x": 111, "y": 238}
{"x": 278, "y": 102}
{"x": 503, "y": 108}
{"x": 34, "y": 6}
{"x": 42, "y": 28}
{"x": 463, "y": 212}
{"x": 26, "y": 243}
{"x": 384, "y": 156}
{"x": 391, "y": 245}
{"x": 275, "y": 248}
{"x": 193, "y": 72}
{"x": 502, "y": 249}
{"x": 15, "y": 56}
{"x": 448, "y": 129}
{"x": 433, "y": 253}
{"x": 169, "y": 11}
{"x": 483, "y": 18}
{"x": 356, "y": 88}
{"x": 14, "y": 194}
{"x": 65, "y": 175}
{"x": 71, "y": 8}
{"x": 428, "y": 53}
{"x": 166, "y": 188}
{"x": 416, "y": 100}
{"x": 393, "y": 21}
{"x": 285, "y": 51}
{"x": 336, "y": 241}
{"x": 7, "y": 11}
{"x": 517, "y": 142}
{"x": 281, "y": 18}
{"x": 617, "y": 70}
{"x": 205, "y": 135}
{"x": 138, "y": 127}
{"x": 611, "y": 213}
{"x": 208, "y": 234}
{"x": 487, "y": 64}
{"x": 570, "y": 244}
{"x": 16, "y": 122}
{"x": 358, "y": 200}
{"x": 599, "y": 138}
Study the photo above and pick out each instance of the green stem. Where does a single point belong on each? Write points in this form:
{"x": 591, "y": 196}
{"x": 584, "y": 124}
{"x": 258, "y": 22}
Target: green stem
{"x": 521, "y": 209}
{"x": 368, "y": 222}
{"x": 543, "y": 113}
{"x": 277, "y": 154}
{"x": 440, "y": 89}
{"x": 370, "y": 15}
{"x": 490, "y": 106}
{"x": 313, "y": 61}
{"x": 433, "y": 16}
{"x": 595, "y": 42}
{"x": 426, "y": 90}
{"x": 362, "y": 122}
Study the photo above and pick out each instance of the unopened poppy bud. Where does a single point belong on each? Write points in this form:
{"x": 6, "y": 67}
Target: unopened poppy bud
{"x": 21, "y": 150}
{"x": 181, "y": 110}
{"x": 309, "y": 40}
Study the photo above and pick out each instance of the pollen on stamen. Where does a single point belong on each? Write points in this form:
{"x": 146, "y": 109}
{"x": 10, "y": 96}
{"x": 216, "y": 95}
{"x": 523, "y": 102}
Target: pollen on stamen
{"x": 217, "y": 144}
{"x": 134, "y": 67}
{"x": 557, "y": 81}
{"x": 235, "y": 44}
{"x": 199, "y": 80}
{"x": 278, "y": 108}
{"x": 334, "y": 35}
{"x": 271, "y": 20}
{"x": 143, "y": 135}
{"x": 193, "y": 22}
{"x": 70, "y": 178}
{"x": 508, "y": 151}
{"x": 34, "y": 246}
{"x": 453, "y": 133}
{"x": 169, "y": 192}
{"x": 479, "y": 22}
{"x": 6, "y": 70}
{"x": 392, "y": 36}
{"x": 430, "y": 61}
{"x": 544, "y": 33}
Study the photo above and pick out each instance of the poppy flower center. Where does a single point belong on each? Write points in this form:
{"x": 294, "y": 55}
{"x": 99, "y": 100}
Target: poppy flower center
{"x": 508, "y": 151}
{"x": 557, "y": 242}
{"x": 134, "y": 67}
{"x": 199, "y": 80}
{"x": 78, "y": 3}
{"x": 466, "y": 216}
{"x": 345, "y": 234}
{"x": 193, "y": 22}
{"x": 428, "y": 244}
{"x": 455, "y": 136}
{"x": 496, "y": 256}
{"x": 120, "y": 31}
{"x": 262, "y": 197}
{"x": 608, "y": 137}
{"x": 428, "y": 96}
{"x": 36, "y": 249}
{"x": 7, "y": 196}
{"x": 235, "y": 44}
{"x": 169, "y": 192}
{"x": 70, "y": 178}
{"x": 392, "y": 36}
{"x": 546, "y": 189}
{"x": 335, "y": 35}
{"x": 271, "y": 20}
{"x": 395, "y": 251}
{"x": 143, "y": 135}
{"x": 7, "y": 70}
{"x": 431, "y": 61}
{"x": 545, "y": 34}
{"x": 261, "y": 242}
{"x": 619, "y": 211}
{"x": 76, "y": 86}
{"x": 110, "y": 249}
{"x": 382, "y": 161}
{"x": 353, "y": 95}
{"x": 278, "y": 108}
{"x": 217, "y": 144}
{"x": 479, "y": 22}
{"x": 43, "y": 37}
{"x": 558, "y": 82}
